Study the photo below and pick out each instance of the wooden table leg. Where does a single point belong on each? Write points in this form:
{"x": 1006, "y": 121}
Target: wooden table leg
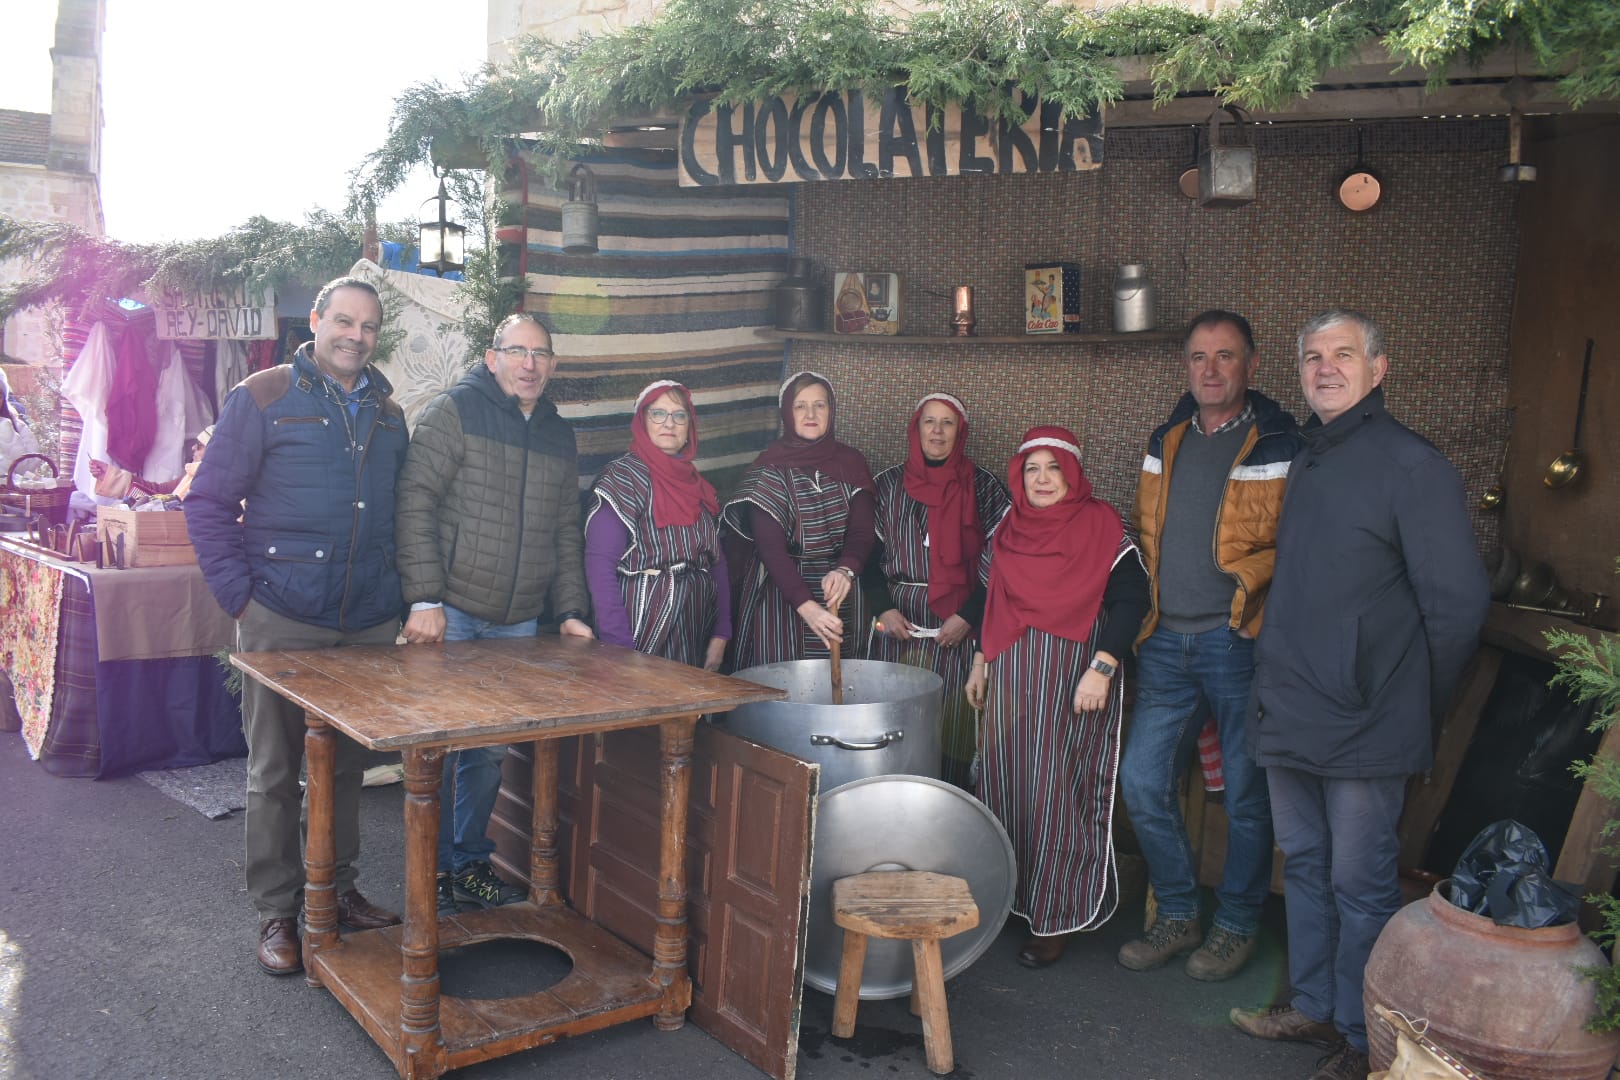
{"x": 320, "y": 899}
{"x": 850, "y": 966}
{"x": 936, "y": 1021}
{"x": 543, "y": 888}
{"x": 669, "y": 946}
{"x": 421, "y": 1045}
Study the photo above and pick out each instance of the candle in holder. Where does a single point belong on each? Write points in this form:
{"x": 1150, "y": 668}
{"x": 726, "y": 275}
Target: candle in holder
{"x": 962, "y": 320}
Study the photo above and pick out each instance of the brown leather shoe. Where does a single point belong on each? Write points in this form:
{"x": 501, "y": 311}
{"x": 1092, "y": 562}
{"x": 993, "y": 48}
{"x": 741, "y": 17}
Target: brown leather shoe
{"x": 358, "y": 913}
{"x": 1286, "y": 1023}
{"x": 1040, "y": 951}
{"x": 279, "y": 953}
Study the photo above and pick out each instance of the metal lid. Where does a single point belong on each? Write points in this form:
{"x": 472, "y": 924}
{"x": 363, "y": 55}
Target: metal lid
{"x": 905, "y": 823}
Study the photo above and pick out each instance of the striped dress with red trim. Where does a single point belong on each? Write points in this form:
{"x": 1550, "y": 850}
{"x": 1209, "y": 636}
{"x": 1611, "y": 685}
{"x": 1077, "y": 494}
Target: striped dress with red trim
{"x": 902, "y": 526}
{"x": 1050, "y": 776}
{"x": 666, "y": 575}
{"x": 813, "y": 510}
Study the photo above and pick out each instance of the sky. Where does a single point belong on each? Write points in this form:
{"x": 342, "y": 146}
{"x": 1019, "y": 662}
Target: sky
{"x": 217, "y": 111}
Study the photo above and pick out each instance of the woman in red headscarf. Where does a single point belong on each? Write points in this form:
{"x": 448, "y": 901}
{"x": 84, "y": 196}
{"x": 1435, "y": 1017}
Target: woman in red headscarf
{"x": 1067, "y": 592}
{"x": 653, "y": 562}
{"x": 934, "y": 515}
{"x": 806, "y": 505}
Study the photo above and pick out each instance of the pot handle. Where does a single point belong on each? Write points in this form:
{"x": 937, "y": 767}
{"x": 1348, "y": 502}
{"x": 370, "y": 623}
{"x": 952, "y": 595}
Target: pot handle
{"x": 879, "y": 743}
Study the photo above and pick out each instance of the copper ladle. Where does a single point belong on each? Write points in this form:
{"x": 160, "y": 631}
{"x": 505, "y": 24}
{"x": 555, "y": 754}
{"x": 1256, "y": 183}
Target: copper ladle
{"x": 1567, "y": 466}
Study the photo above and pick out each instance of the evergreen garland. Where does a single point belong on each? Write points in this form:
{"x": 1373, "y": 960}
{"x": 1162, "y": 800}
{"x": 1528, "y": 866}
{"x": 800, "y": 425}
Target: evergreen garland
{"x": 1260, "y": 55}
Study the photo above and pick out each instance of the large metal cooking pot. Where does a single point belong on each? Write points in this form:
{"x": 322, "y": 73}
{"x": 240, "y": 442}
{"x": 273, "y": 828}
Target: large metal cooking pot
{"x": 889, "y": 721}
{"x": 904, "y": 823}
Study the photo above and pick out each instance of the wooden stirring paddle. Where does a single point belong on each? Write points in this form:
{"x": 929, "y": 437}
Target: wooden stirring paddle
{"x": 837, "y": 667}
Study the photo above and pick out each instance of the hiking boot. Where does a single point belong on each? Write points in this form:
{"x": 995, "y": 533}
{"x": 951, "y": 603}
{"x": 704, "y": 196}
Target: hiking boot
{"x": 1168, "y": 938}
{"x": 1345, "y": 1063}
{"x": 447, "y": 896}
{"x": 477, "y": 884}
{"x": 1287, "y": 1024}
{"x": 1222, "y": 955}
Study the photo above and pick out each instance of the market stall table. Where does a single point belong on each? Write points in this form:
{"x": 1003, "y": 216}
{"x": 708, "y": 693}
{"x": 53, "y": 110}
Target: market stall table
{"x": 423, "y": 699}
{"x": 113, "y": 671}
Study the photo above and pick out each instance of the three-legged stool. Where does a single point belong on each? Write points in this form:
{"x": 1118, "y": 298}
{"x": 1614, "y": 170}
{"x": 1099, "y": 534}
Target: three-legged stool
{"x": 906, "y": 905}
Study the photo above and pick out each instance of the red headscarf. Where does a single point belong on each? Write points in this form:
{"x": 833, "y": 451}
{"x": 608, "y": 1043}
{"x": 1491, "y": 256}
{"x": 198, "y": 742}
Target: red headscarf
{"x": 946, "y": 488}
{"x": 679, "y": 492}
{"x": 842, "y": 462}
{"x": 1049, "y": 567}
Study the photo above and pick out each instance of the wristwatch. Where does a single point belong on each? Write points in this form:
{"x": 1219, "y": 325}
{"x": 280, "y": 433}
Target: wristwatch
{"x": 1103, "y": 667}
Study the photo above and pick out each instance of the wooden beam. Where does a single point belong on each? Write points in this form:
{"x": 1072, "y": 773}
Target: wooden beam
{"x": 1581, "y": 860}
{"x": 1426, "y": 798}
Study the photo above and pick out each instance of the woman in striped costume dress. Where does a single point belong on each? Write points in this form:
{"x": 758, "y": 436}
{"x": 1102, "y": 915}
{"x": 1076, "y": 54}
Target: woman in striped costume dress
{"x": 806, "y": 505}
{"x": 1067, "y": 592}
{"x": 934, "y": 514}
{"x": 652, "y": 540}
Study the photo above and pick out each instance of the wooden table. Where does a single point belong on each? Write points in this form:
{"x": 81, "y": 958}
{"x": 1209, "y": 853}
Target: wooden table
{"x": 425, "y": 699}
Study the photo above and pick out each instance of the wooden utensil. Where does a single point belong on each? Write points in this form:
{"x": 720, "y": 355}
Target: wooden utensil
{"x": 837, "y": 649}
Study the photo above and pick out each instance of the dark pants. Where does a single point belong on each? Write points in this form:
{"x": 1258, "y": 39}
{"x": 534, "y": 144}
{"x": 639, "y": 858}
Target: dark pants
{"x": 1341, "y": 883}
{"x": 274, "y": 728}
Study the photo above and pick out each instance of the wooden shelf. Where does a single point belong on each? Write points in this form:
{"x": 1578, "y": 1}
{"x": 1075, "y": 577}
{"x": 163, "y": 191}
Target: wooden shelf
{"x": 1142, "y": 337}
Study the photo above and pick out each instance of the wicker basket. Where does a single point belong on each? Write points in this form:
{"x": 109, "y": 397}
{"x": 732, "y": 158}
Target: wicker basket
{"x": 52, "y": 502}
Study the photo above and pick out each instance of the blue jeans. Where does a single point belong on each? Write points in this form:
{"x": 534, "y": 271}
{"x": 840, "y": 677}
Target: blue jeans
{"x": 1340, "y": 879}
{"x": 1180, "y": 680}
{"x": 472, "y": 777}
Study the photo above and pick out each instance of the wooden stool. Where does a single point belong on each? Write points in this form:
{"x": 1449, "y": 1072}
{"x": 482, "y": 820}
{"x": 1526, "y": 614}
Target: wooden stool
{"x": 905, "y": 905}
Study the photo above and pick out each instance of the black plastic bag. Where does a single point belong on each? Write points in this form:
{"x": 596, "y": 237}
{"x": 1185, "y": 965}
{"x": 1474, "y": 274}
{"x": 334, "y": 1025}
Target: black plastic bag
{"x": 1506, "y": 874}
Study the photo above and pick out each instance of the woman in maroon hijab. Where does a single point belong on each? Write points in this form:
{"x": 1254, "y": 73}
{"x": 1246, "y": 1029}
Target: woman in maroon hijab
{"x": 934, "y": 515}
{"x": 806, "y": 505}
{"x": 1066, "y": 594}
{"x": 652, "y": 540}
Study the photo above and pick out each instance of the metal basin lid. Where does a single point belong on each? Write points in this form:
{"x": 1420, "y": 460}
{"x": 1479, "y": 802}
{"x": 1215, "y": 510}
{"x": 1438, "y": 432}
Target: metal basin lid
{"x": 905, "y": 823}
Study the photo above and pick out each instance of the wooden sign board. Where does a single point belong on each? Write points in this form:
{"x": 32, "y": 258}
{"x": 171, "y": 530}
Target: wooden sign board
{"x": 845, "y": 136}
{"x": 216, "y": 314}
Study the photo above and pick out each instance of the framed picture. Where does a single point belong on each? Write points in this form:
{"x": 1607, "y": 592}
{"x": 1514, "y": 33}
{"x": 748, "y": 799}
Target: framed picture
{"x": 866, "y": 302}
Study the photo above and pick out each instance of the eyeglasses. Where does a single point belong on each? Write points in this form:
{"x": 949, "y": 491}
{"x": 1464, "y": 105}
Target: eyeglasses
{"x": 518, "y": 352}
{"x": 659, "y": 416}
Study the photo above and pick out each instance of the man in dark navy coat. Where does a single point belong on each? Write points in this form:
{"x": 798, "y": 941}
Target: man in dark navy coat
{"x": 1376, "y": 604}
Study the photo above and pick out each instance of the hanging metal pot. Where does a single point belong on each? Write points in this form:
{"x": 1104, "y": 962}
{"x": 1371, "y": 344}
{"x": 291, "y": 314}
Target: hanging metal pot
{"x": 580, "y": 219}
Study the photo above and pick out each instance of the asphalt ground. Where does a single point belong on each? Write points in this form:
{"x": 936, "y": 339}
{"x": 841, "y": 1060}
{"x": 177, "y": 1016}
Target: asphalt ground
{"x": 126, "y": 951}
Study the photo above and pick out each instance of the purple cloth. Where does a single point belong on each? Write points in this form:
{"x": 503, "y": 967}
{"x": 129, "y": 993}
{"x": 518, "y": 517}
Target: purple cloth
{"x": 606, "y": 539}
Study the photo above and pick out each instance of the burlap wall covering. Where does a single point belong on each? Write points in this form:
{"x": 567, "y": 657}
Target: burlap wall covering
{"x": 1434, "y": 264}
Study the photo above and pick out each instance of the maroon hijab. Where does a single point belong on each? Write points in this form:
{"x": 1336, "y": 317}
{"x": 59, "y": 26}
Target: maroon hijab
{"x": 827, "y": 455}
{"x": 679, "y": 492}
{"x": 955, "y": 537}
{"x": 1049, "y": 566}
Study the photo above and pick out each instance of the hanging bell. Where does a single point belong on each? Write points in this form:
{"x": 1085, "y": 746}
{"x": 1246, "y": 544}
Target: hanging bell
{"x": 1226, "y": 166}
{"x": 580, "y": 219}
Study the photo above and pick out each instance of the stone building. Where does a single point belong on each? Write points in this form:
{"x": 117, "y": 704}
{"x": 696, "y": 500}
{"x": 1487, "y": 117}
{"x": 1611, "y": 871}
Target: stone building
{"x": 50, "y": 163}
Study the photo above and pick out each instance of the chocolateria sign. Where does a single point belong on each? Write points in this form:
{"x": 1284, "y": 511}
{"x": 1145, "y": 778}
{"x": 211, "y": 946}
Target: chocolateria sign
{"x": 848, "y": 136}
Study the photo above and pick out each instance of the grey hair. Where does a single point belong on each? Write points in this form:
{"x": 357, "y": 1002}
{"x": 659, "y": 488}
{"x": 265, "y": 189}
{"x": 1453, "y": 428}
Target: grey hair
{"x": 324, "y": 297}
{"x": 519, "y": 317}
{"x": 1372, "y": 338}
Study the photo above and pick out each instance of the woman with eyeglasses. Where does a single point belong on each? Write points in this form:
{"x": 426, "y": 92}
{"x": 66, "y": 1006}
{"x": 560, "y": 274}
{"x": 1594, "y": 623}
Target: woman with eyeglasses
{"x": 1066, "y": 592}
{"x": 806, "y": 505}
{"x": 652, "y": 540}
{"x": 934, "y": 514}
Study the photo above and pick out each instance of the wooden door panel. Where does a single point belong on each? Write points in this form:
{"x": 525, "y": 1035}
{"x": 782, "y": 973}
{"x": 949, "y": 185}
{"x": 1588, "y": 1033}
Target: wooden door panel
{"x": 749, "y": 822}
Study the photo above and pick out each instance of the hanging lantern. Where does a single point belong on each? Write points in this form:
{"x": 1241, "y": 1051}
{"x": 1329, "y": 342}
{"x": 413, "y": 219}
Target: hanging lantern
{"x": 580, "y": 219}
{"x": 1226, "y": 167}
{"x": 442, "y": 243}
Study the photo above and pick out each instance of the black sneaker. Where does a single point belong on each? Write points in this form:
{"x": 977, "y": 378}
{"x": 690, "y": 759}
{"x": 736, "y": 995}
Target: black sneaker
{"x": 447, "y": 896}
{"x": 477, "y": 884}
